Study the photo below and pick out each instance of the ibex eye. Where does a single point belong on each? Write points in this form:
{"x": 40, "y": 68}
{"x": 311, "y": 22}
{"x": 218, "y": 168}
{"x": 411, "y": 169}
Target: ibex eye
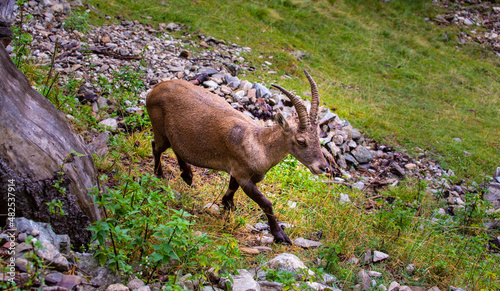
{"x": 301, "y": 142}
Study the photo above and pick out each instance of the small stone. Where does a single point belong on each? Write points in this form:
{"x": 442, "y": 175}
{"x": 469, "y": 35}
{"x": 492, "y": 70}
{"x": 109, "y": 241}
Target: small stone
{"x": 368, "y": 257}
{"x": 210, "y": 84}
{"x": 22, "y": 237}
{"x": 344, "y": 198}
{"x": 410, "y": 166}
{"x": 249, "y": 251}
{"x": 364, "y": 280}
{"x": 435, "y": 288}
{"x": 457, "y": 139}
{"x": 110, "y": 122}
{"x": 353, "y": 261}
{"x": 374, "y": 274}
{"x": 105, "y": 40}
{"x": 394, "y": 286}
{"x": 263, "y": 249}
{"x": 212, "y": 208}
{"x": 362, "y": 155}
{"x": 359, "y": 185}
{"x": 135, "y": 284}
{"x": 117, "y": 287}
{"x": 467, "y": 21}
{"x": 379, "y": 256}
{"x": 266, "y": 240}
{"x": 306, "y": 243}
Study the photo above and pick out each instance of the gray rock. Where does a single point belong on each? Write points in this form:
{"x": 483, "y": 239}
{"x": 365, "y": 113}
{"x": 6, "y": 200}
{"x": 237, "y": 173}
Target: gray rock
{"x": 394, "y": 286}
{"x": 100, "y": 275}
{"x": 53, "y": 257}
{"x": 117, "y": 287}
{"x": 360, "y": 185}
{"x": 362, "y": 155}
{"x": 306, "y": 243}
{"x": 374, "y": 274}
{"x": 234, "y": 69}
{"x": 344, "y": 198}
{"x": 46, "y": 3}
{"x": 260, "y": 226}
{"x": 262, "y": 91}
{"x": 44, "y": 232}
{"x": 287, "y": 262}
{"x": 379, "y": 256}
{"x": 467, "y": 21}
{"x": 410, "y": 268}
{"x": 244, "y": 282}
{"x": 493, "y": 194}
{"x": 135, "y": 284}
{"x": 232, "y": 82}
{"x": 22, "y": 237}
{"x": 327, "y": 116}
{"x": 270, "y": 286}
{"x": 368, "y": 257}
{"x": 210, "y": 84}
{"x": 110, "y": 123}
{"x": 172, "y": 26}
{"x": 349, "y": 158}
{"x": 364, "y": 280}
{"x": 356, "y": 135}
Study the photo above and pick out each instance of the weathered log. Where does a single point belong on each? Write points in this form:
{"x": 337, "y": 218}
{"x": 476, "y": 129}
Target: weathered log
{"x": 36, "y": 143}
{"x": 6, "y": 9}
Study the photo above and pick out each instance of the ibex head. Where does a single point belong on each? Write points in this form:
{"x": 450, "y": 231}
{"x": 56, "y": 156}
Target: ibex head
{"x": 303, "y": 131}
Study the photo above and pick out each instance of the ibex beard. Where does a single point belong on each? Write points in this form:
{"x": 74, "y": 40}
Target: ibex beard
{"x": 204, "y": 130}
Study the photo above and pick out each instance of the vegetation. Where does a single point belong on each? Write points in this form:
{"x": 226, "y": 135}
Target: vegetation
{"x": 383, "y": 68}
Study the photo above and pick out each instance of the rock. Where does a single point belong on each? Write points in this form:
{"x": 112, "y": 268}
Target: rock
{"x": 70, "y": 281}
{"x": 410, "y": 166}
{"x": 100, "y": 275}
{"x": 349, "y": 158}
{"x": 270, "y": 286}
{"x": 135, "y": 284}
{"x": 212, "y": 208}
{"x": 344, "y": 198}
{"x": 210, "y": 84}
{"x": 117, "y": 287}
{"x": 232, "y": 82}
{"x": 374, "y": 274}
{"x": 53, "y": 257}
{"x": 435, "y": 288}
{"x": 379, "y": 256}
{"x": 287, "y": 262}
{"x": 364, "y": 280}
{"x": 394, "y": 286}
{"x": 493, "y": 194}
{"x": 244, "y": 282}
{"x": 22, "y": 237}
{"x": 110, "y": 123}
{"x": 410, "y": 268}
{"x": 360, "y": 185}
{"x": 250, "y": 251}
{"x": 362, "y": 155}
{"x": 353, "y": 260}
{"x": 23, "y": 264}
{"x": 467, "y": 21}
{"x": 262, "y": 92}
{"x": 172, "y": 26}
{"x": 306, "y": 243}
{"x": 368, "y": 257}
{"x": 263, "y": 249}
{"x": 356, "y": 135}
{"x": 327, "y": 116}
{"x": 260, "y": 226}
{"x": 43, "y": 232}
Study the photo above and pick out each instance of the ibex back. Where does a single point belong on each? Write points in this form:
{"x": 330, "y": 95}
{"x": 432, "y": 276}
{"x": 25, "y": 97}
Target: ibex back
{"x": 205, "y": 131}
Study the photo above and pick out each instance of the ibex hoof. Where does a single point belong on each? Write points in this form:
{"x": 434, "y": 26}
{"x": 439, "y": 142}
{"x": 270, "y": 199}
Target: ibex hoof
{"x": 228, "y": 205}
{"x": 282, "y": 238}
{"x": 187, "y": 177}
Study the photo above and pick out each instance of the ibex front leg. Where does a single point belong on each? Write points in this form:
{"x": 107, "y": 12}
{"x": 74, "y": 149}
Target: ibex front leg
{"x": 251, "y": 190}
{"x": 227, "y": 200}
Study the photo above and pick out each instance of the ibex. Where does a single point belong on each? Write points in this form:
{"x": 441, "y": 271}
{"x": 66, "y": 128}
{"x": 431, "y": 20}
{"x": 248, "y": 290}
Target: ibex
{"x": 205, "y": 131}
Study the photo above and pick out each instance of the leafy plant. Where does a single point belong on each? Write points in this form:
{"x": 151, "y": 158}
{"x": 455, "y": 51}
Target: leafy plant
{"x": 56, "y": 207}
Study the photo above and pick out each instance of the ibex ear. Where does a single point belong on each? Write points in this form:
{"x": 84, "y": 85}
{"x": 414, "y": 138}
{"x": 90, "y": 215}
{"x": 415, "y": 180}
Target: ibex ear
{"x": 281, "y": 120}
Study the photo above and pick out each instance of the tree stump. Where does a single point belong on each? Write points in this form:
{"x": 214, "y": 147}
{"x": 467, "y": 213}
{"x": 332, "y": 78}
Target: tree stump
{"x": 6, "y": 8}
{"x": 36, "y": 143}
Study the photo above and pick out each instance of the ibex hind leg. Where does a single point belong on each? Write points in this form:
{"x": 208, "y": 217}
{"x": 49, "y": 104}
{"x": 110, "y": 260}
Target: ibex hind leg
{"x": 159, "y": 145}
{"x": 186, "y": 172}
{"x": 227, "y": 199}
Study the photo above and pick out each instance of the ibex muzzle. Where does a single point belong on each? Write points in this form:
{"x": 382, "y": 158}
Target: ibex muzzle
{"x": 205, "y": 131}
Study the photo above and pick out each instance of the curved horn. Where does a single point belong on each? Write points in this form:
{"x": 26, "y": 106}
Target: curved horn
{"x": 313, "y": 115}
{"x": 299, "y": 106}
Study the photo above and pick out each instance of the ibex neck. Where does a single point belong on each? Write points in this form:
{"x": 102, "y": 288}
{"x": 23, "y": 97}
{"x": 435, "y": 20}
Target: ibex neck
{"x": 274, "y": 144}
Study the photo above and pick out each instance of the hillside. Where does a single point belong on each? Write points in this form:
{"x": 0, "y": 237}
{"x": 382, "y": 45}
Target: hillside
{"x": 424, "y": 96}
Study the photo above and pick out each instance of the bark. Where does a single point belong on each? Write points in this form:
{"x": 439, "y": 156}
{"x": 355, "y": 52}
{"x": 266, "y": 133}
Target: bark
{"x": 6, "y": 9}
{"x": 35, "y": 140}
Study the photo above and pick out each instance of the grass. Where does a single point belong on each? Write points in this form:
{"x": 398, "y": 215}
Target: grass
{"x": 412, "y": 88}
{"x": 380, "y": 66}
